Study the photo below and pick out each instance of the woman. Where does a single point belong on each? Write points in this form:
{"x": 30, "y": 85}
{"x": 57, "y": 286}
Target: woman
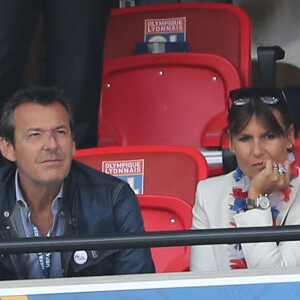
{"x": 262, "y": 191}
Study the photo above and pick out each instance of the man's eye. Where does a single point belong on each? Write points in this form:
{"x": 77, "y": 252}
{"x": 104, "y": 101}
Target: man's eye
{"x": 34, "y": 135}
{"x": 61, "y": 132}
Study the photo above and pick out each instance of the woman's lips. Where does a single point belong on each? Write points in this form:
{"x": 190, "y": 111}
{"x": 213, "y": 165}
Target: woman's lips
{"x": 259, "y": 166}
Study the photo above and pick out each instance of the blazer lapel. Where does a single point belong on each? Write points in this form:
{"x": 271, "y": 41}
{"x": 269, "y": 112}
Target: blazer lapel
{"x": 231, "y": 212}
{"x": 284, "y": 211}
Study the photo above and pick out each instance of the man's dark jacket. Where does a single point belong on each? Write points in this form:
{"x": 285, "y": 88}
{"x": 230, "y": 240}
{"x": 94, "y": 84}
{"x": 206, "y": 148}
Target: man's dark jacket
{"x": 93, "y": 203}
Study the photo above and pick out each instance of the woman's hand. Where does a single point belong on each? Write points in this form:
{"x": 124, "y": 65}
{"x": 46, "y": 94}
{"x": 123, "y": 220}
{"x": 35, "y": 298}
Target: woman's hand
{"x": 270, "y": 179}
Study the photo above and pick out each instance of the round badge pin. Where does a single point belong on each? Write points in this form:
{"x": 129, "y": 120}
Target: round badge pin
{"x": 80, "y": 257}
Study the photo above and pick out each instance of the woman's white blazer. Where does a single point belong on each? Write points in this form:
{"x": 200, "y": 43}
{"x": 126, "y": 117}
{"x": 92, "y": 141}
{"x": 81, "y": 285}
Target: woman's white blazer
{"x": 211, "y": 210}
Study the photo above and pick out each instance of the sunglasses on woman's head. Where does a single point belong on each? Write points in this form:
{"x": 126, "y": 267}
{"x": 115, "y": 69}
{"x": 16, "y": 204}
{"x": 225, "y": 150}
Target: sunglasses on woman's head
{"x": 243, "y": 96}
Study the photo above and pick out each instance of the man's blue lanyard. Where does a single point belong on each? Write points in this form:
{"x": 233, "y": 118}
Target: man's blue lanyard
{"x": 44, "y": 257}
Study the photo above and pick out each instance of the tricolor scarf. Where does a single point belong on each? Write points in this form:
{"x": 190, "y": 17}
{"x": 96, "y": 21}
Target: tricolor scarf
{"x": 278, "y": 201}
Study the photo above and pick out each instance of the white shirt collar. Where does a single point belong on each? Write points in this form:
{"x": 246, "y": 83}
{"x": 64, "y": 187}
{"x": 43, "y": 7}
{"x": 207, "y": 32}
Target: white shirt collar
{"x": 21, "y": 200}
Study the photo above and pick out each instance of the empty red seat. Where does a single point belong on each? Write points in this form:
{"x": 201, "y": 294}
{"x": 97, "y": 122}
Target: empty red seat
{"x": 215, "y": 28}
{"x": 162, "y": 170}
{"x": 169, "y": 99}
{"x": 167, "y": 213}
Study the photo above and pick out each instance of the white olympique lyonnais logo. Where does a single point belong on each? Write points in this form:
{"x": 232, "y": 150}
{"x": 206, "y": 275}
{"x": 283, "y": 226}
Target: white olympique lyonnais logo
{"x": 80, "y": 257}
{"x": 131, "y": 171}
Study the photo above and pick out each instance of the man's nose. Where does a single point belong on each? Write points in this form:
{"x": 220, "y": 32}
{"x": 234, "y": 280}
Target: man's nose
{"x": 50, "y": 139}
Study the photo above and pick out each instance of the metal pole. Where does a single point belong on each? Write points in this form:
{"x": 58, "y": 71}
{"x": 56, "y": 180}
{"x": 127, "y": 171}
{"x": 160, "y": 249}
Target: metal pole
{"x": 152, "y": 239}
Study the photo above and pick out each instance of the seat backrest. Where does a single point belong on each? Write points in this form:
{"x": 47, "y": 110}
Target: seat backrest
{"x": 216, "y": 28}
{"x": 296, "y": 149}
{"x": 167, "y": 213}
{"x": 166, "y": 99}
{"x": 161, "y": 170}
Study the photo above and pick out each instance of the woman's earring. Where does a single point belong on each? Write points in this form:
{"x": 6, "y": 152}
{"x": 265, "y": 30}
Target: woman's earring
{"x": 291, "y": 146}
{"x": 232, "y": 151}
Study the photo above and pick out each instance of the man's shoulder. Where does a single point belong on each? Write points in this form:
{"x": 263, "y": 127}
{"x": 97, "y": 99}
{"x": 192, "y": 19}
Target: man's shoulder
{"x": 82, "y": 172}
{"x": 94, "y": 184}
{"x": 7, "y": 185}
{"x": 6, "y": 171}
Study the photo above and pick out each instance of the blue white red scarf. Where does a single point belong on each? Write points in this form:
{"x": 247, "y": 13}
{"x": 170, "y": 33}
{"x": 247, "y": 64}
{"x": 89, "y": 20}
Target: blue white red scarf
{"x": 278, "y": 201}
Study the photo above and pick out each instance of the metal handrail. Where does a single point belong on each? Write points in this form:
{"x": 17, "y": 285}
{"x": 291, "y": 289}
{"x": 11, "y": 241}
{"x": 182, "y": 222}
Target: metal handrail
{"x": 152, "y": 239}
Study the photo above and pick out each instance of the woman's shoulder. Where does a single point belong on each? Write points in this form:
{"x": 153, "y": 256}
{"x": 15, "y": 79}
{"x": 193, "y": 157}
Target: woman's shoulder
{"x": 211, "y": 191}
{"x": 226, "y": 179}
{"x": 215, "y": 187}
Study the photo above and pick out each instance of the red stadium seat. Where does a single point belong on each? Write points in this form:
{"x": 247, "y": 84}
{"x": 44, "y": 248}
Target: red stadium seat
{"x": 169, "y": 99}
{"x": 166, "y": 213}
{"x": 162, "y": 170}
{"x": 296, "y": 149}
{"x": 215, "y": 28}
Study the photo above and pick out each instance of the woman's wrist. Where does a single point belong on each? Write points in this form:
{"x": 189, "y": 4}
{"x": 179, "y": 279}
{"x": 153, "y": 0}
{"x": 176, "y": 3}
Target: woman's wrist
{"x": 262, "y": 201}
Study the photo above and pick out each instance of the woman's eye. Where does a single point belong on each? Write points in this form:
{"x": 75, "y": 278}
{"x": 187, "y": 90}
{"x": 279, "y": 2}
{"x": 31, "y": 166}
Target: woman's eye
{"x": 244, "y": 138}
{"x": 270, "y": 136}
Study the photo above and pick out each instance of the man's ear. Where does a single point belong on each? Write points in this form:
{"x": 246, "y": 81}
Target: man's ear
{"x": 7, "y": 150}
{"x": 73, "y": 149}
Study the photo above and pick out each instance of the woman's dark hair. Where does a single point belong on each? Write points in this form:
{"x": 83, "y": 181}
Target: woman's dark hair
{"x": 240, "y": 115}
{"x": 38, "y": 95}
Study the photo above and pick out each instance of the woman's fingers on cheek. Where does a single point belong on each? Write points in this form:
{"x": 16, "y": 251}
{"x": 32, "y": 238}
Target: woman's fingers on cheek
{"x": 281, "y": 175}
{"x": 288, "y": 170}
{"x": 284, "y": 174}
{"x": 276, "y": 175}
{"x": 269, "y": 164}
{"x": 287, "y": 166}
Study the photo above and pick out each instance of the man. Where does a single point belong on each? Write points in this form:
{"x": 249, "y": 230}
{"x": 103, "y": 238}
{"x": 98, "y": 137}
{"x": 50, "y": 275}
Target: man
{"x": 46, "y": 193}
